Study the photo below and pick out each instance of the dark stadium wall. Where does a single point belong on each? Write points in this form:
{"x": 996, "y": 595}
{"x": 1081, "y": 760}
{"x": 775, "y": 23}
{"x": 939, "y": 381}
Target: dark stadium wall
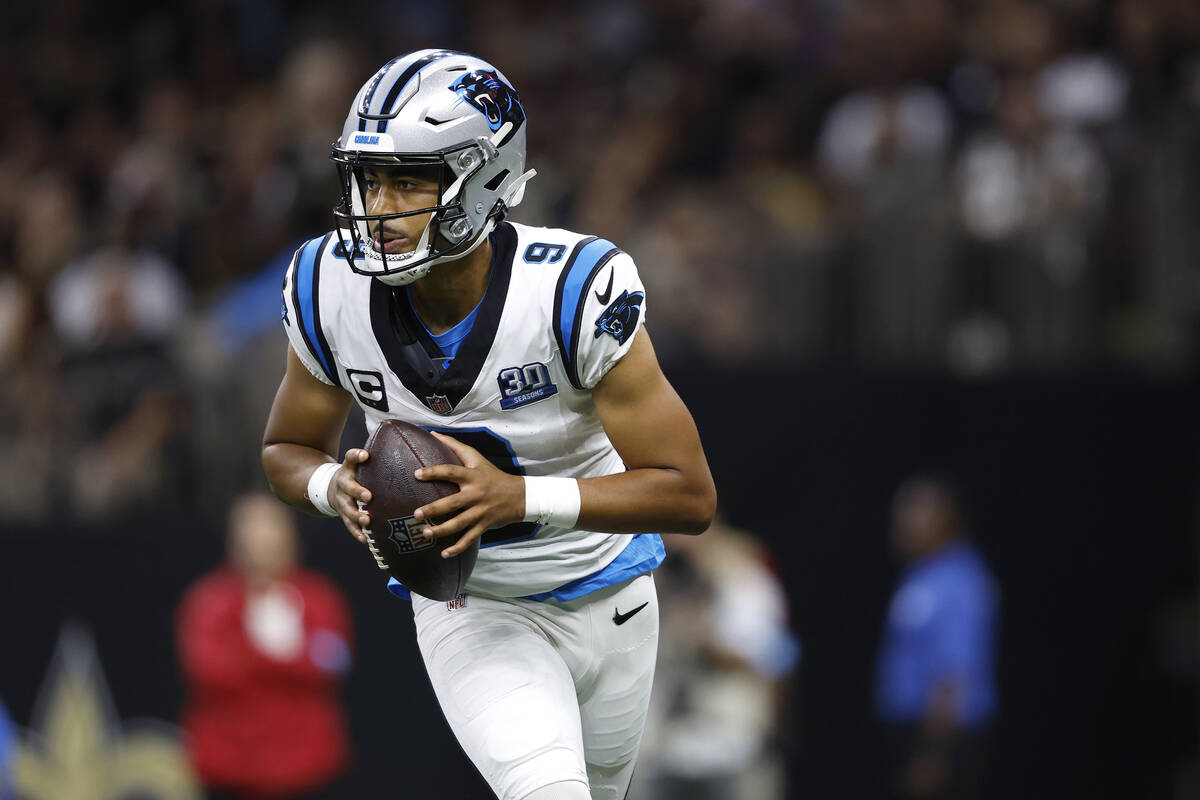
{"x": 1081, "y": 493}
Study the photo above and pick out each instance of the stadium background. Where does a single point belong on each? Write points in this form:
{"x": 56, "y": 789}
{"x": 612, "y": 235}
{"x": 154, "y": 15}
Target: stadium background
{"x": 877, "y": 237}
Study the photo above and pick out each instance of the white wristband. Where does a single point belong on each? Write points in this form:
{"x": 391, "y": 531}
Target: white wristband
{"x": 318, "y": 488}
{"x": 552, "y": 501}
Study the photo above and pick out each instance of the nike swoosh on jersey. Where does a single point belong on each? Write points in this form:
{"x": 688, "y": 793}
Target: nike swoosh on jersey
{"x": 603, "y": 298}
{"x": 620, "y": 618}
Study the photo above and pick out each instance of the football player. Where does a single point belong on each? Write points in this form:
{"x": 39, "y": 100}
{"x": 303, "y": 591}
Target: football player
{"x": 525, "y": 350}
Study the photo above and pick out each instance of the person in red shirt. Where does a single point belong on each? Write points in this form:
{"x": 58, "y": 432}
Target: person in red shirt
{"x": 263, "y": 644}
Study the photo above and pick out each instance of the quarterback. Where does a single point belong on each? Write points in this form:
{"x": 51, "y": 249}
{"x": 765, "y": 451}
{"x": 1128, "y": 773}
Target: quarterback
{"x": 525, "y": 350}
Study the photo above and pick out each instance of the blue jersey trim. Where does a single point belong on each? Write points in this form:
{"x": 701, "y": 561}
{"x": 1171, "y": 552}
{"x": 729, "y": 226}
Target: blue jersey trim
{"x": 449, "y": 341}
{"x": 644, "y": 553}
{"x": 573, "y": 286}
{"x": 307, "y": 284}
{"x": 571, "y": 296}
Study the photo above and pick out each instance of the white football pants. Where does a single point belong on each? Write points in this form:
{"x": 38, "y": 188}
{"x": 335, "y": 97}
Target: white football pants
{"x": 539, "y": 693}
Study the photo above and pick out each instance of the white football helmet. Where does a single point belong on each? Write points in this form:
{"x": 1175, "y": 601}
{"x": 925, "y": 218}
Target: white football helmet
{"x": 441, "y": 109}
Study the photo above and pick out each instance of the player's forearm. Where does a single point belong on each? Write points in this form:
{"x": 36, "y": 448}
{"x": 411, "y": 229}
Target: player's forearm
{"x": 288, "y": 468}
{"x": 658, "y": 500}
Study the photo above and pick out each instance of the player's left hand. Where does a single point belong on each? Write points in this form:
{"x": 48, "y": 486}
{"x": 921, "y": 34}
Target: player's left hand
{"x": 487, "y": 497}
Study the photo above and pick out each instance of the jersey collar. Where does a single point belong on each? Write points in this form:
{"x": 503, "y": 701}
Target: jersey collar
{"x": 410, "y": 350}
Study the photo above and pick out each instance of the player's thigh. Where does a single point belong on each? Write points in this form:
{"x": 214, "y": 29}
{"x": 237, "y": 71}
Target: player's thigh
{"x": 614, "y": 702}
{"x": 566, "y": 790}
{"x": 505, "y": 692}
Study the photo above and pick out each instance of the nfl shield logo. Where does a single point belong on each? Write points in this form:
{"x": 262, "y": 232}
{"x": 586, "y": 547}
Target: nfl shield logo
{"x": 439, "y": 403}
{"x": 405, "y": 533}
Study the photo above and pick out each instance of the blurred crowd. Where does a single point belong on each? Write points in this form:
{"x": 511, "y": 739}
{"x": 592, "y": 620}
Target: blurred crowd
{"x": 978, "y": 186}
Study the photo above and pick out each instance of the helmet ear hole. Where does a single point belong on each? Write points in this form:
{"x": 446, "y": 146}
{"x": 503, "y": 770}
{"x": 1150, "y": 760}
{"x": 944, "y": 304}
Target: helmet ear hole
{"x": 496, "y": 180}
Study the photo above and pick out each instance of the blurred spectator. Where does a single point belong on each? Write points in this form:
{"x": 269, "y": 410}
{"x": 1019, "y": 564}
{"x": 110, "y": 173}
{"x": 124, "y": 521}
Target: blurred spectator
{"x": 233, "y": 357}
{"x": 883, "y": 146}
{"x": 935, "y": 686}
{"x": 117, "y": 311}
{"x": 691, "y": 243}
{"x": 263, "y": 643}
{"x": 30, "y": 402}
{"x": 8, "y": 746}
{"x": 314, "y": 83}
{"x": 720, "y": 687}
{"x": 1031, "y": 190}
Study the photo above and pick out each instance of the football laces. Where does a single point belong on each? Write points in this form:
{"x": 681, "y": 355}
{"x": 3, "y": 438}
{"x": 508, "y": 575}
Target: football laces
{"x": 371, "y": 541}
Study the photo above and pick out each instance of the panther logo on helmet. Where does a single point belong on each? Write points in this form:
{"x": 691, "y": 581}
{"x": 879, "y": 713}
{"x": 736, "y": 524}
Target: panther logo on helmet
{"x": 492, "y": 97}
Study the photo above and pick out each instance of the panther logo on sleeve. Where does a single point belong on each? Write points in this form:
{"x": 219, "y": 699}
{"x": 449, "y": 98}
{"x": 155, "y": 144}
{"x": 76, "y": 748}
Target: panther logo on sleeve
{"x": 620, "y": 319}
{"x": 492, "y": 97}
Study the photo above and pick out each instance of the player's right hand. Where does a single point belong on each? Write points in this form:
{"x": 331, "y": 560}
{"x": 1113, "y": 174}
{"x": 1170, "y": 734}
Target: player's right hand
{"x": 345, "y": 493}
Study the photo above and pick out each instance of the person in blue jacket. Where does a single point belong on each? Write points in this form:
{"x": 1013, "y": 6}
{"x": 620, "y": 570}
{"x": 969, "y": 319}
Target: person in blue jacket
{"x": 935, "y": 682}
{"x": 8, "y": 746}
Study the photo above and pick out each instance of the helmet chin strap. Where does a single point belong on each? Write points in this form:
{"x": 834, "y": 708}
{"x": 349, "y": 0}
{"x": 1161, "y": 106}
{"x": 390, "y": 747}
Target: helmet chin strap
{"x": 447, "y": 197}
{"x": 421, "y": 270}
{"x": 480, "y": 239}
{"x": 407, "y": 276}
{"x": 512, "y": 197}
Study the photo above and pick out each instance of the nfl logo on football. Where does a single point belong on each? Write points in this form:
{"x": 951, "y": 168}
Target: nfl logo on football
{"x": 406, "y": 533}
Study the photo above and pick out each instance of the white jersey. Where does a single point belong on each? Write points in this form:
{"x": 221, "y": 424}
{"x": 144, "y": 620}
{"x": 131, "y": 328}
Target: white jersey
{"x": 559, "y": 311}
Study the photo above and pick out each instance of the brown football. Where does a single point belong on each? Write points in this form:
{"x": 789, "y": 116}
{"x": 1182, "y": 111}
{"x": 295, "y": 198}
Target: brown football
{"x": 398, "y": 449}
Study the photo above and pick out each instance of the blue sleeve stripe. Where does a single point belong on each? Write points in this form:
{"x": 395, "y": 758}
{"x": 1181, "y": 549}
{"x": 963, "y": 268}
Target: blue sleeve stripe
{"x": 307, "y": 298}
{"x": 569, "y": 298}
